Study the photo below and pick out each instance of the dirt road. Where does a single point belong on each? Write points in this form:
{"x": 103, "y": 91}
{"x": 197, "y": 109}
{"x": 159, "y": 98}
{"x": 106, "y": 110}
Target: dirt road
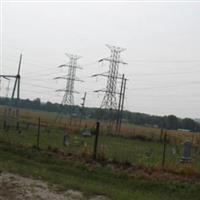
{"x": 16, "y": 187}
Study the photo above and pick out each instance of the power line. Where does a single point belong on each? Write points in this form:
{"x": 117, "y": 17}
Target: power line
{"x": 41, "y": 75}
{"x": 52, "y": 68}
{"x": 165, "y": 74}
{"x": 169, "y": 86}
{"x": 39, "y": 86}
{"x": 35, "y": 91}
{"x": 165, "y": 61}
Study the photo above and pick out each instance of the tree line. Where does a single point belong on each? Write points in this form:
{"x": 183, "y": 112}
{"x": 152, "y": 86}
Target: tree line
{"x": 168, "y": 122}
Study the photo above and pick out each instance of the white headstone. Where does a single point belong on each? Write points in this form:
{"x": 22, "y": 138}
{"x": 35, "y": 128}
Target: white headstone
{"x": 86, "y": 133}
{"x": 174, "y": 151}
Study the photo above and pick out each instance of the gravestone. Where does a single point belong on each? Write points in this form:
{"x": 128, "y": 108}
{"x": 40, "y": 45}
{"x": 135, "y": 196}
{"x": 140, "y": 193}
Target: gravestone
{"x": 66, "y": 140}
{"x": 174, "y": 152}
{"x": 187, "y": 151}
{"x": 86, "y": 133}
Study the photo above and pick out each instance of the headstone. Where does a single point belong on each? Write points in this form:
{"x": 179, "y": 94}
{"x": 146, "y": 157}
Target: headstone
{"x": 66, "y": 140}
{"x": 86, "y": 133}
{"x": 174, "y": 151}
{"x": 187, "y": 151}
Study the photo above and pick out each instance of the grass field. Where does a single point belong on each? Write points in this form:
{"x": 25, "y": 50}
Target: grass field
{"x": 121, "y": 149}
{"x": 136, "y": 146}
{"x": 93, "y": 179}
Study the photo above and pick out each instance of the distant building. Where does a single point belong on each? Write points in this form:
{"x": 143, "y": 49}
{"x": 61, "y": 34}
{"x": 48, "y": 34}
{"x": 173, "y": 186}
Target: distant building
{"x": 184, "y": 130}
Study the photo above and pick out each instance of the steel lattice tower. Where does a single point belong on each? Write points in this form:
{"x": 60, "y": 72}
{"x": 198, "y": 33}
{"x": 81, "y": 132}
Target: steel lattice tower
{"x": 68, "y": 98}
{"x": 109, "y": 99}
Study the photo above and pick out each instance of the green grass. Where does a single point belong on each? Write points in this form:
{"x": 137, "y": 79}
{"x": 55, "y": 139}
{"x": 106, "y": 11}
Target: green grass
{"x": 92, "y": 180}
{"x": 146, "y": 153}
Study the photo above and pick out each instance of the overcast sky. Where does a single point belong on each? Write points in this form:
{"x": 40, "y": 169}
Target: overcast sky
{"x": 162, "y": 42}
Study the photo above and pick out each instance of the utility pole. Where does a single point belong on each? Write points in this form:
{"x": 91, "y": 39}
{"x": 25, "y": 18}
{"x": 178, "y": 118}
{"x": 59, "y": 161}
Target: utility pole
{"x": 82, "y": 109}
{"x": 16, "y": 86}
{"x": 122, "y": 106}
{"x": 68, "y": 98}
{"x": 17, "y": 83}
{"x": 119, "y": 104}
{"x": 109, "y": 101}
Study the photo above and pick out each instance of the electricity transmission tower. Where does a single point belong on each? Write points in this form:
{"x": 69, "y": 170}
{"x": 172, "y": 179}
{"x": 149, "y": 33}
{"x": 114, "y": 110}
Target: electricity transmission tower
{"x": 68, "y": 98}
{"x": 109, "y": 100}
{"x": 16, "y": 86}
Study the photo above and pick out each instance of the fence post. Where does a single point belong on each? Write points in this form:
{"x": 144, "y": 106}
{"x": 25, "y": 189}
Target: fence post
{"x": 4, "y": 125}
{"x": 96, "y": 141}
{"x": 38, "y": 134}
{"x": 161, "y": 134}
{"x": 164, "y": 149}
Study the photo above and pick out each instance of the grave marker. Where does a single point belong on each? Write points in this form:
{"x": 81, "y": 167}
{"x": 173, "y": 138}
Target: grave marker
{"x": 66, "y": 140}
{"x": 174, "y": 152}
{"x": 187, "y": 151}
{"x": 86, "y": 133}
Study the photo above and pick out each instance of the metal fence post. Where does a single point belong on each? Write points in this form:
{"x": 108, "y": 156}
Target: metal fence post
{"x": 96, "y": 141}
{"x": 164, "y": 149}
{"x": 38, "y": 134}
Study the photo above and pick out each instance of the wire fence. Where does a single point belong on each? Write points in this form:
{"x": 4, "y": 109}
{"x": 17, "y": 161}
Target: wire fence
{"x": 153, "y": 149}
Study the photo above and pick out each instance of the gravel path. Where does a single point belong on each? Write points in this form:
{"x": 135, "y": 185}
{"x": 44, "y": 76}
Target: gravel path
{"x": 16, "y": 187}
